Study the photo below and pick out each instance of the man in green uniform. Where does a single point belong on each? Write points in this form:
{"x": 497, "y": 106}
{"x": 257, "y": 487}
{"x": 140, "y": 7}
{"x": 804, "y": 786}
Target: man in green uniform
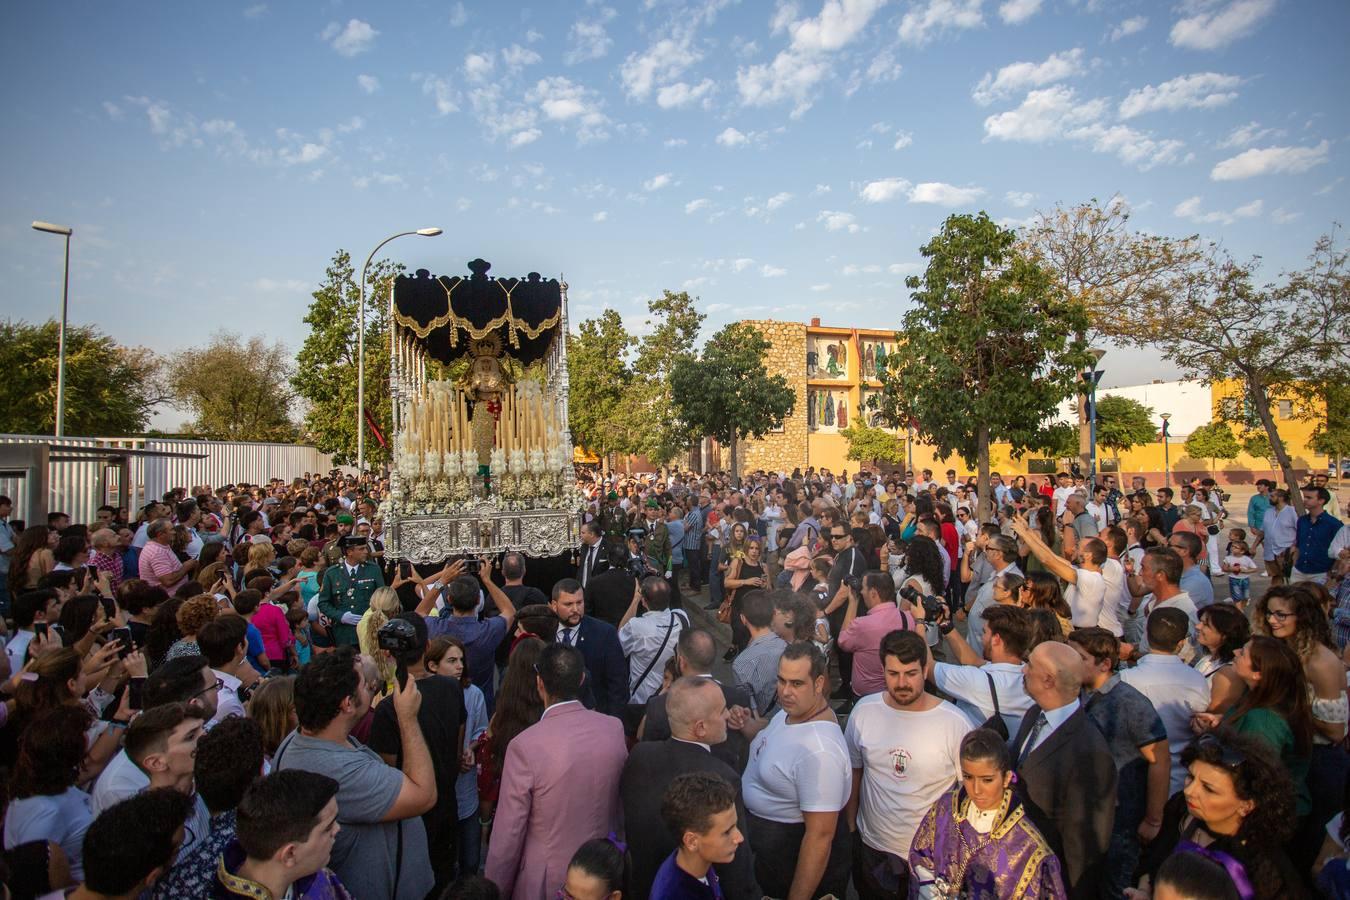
{"x": 332, "y": 551}
{"x": 345, "y": 593}
{"x": 656, "y": 545}
{"x": 614, "y": 521}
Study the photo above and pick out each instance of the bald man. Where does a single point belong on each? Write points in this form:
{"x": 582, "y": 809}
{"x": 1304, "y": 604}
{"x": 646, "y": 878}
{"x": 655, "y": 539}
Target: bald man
{"x": 697, "y": 711}
{"x": 1066, "y": 768}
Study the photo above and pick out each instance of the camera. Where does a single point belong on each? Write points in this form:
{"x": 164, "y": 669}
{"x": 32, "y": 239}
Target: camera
{"x": 932, "y": 606}
{"x": 399, "y": 637}
{"x": 855, "y": 584}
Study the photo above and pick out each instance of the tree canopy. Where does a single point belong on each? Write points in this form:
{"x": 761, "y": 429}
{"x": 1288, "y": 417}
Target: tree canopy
{"x": 989, "y": 349}
{"x": 1123, "y": 422}
{"x": 325, "y": 371}
{"x": 1212, "y": 442}
{"x": 727, "y": 393}
{"x": 866, "y": 443}
{"x": 110, "y": 389}
{"x": 236, "y": 390}
{"x": 598, "y": 376}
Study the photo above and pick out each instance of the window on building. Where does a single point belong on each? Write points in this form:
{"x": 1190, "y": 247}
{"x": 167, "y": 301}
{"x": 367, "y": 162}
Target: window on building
{"x": 1286, "y": 409}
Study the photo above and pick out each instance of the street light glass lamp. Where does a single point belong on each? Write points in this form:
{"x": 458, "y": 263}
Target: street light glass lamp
{"x": 428, "y": 232}
{"x": 53, "y": 229}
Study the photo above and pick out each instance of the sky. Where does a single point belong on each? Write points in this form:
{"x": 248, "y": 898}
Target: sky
{"x": 777, "y": 161}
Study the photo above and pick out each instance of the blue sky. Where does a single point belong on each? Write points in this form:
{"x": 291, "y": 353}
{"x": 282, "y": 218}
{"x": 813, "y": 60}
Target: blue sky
{"x": 777, "y": 160}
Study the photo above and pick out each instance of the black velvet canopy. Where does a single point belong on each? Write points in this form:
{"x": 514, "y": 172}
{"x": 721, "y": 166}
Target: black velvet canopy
{"x": 446, "y": 313}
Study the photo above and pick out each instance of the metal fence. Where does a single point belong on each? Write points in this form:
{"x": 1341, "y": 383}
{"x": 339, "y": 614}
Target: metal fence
{"x": 79, "y": 487}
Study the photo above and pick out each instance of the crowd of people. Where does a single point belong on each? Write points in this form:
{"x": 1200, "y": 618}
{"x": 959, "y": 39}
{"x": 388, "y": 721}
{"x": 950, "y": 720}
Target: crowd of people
{"x": 789, "y": 685}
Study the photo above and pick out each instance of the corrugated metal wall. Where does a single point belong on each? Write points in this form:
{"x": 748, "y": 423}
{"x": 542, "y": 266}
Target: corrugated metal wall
{"x": 81, "y": 487}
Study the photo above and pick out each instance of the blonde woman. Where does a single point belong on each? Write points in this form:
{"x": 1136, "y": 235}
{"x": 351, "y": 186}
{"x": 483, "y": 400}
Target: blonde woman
{"x": 272, "y": 706}
{"x": 260, "y": 555}
{"x": 384, "y": 605}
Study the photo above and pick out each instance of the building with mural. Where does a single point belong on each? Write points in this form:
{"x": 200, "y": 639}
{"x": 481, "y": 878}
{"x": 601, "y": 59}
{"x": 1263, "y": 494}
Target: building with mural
{"x": 833, "y": 372}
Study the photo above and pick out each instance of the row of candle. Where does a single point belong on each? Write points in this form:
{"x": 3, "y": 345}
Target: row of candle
{"x": 439, "y": 422}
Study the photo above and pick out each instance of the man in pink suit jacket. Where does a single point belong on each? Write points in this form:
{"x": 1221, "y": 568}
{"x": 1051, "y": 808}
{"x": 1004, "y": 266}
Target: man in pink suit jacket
{"x": 560, "y": 784}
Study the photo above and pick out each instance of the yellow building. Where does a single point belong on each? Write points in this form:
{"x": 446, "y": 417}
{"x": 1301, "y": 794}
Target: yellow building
{"x": 832, "y": 370}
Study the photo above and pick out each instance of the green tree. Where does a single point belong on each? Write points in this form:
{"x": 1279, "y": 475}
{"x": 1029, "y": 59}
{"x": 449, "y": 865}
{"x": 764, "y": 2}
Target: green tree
{"x": 1283, "y": 339}
{"x": 1255, "y": 443}
{"x": 1103, "y": 265}
{"x": 110, "y": 389}
{"x": 989, "y": 350}
{"x": 325, "y": 371}
{"x": 1123, "y": 423}
{"x": 647, "y": 416}
{"x": 598, "y": 376}
{"x": 727, "y": 393}
{"x": 1331, "y": 435}
{"x": 236, "y": 390}
{"x": 1213, "y": 442}
{"x": 866, "y": 443}
{"x": 1057, "y": 441}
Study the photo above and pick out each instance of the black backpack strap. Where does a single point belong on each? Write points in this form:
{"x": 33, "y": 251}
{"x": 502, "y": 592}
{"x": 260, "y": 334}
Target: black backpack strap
{"x": 993, "y": 692}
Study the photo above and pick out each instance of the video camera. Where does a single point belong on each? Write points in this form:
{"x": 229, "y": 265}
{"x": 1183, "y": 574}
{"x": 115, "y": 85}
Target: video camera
{"x": 399, "y": 637}
{"x": 933, "y": 608}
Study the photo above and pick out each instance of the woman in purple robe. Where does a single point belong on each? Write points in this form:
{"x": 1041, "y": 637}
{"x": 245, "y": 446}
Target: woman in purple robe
{"x": 977, "y": 842}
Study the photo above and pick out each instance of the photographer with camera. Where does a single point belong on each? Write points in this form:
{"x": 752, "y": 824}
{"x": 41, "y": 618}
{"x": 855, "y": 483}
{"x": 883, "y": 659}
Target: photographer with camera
{"x": 861, "y": 635}
{"x": 441, "y": 717}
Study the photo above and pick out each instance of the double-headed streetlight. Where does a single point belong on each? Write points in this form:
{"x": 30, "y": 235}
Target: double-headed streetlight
{"x": 1092, "y": 376}
{"x": 1167, "y": 460}
{"x": 65, "y": 232}
{"x": 361, "y": 347}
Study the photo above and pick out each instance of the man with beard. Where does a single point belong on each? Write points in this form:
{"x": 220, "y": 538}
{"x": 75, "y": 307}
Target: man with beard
{"x": 905, "y": 748}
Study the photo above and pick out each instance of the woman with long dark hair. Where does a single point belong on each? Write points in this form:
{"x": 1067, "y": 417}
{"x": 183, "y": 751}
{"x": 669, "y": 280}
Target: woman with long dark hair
{"x": 1041, "y": 590}
{"x": 1222, "y": 632}
{"x": 46, "y": 804}
{"x": 923, "y": 566}
{"x": 32, "y": 558}
{"x": 517, "y": 707}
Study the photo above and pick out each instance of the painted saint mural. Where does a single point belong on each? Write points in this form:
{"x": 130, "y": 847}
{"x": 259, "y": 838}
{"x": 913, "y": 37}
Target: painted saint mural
{"x": 826, "y": 357}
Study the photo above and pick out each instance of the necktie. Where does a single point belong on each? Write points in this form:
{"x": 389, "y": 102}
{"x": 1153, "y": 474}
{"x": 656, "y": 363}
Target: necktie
{"x": 567, "y": 636}
{"x": 351, "y": 572}
{"x": 586, "y": 568}
{"x": 1040, "y": 724}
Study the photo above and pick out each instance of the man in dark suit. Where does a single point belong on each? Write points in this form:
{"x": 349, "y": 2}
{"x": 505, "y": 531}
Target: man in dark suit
{"x": 695, "y": 653}
{"x": 698, "y": 722}
{"x": 1065, "y": 768}
{"x": 609, "y": 594}
{"x": 606, "y": 686}
{"x": 594, "y": 553}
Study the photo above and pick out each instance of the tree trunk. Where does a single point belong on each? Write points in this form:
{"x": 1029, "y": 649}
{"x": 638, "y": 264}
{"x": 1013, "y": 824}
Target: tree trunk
{"x": 982, "y": 473}
{"x": 1084, "y": 436}
{"x": 735, "y": 463}
{"x": 1256, "y": 392}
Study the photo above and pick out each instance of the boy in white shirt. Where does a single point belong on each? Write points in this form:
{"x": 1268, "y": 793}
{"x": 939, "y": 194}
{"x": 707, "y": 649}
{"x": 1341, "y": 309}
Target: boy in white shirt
{"x": 1239, "y": 565}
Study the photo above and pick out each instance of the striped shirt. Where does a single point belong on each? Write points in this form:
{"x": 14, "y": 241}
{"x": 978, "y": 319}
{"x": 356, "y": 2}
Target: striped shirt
{"x": 756, "y": 670}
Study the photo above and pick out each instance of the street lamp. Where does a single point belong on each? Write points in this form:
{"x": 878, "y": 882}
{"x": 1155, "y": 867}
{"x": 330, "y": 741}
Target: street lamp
{"x": 1167, "y": 460}
{"x": 361, "y": 347}
{"x": 1092, "y": 376}
{"x": 65, "y": 232}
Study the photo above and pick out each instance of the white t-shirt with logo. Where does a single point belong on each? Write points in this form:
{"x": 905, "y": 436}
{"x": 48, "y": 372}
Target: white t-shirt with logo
{"x": 795, "y": 769}
{"x": 909, "y": 760}
{"x": 1087, "y": 602}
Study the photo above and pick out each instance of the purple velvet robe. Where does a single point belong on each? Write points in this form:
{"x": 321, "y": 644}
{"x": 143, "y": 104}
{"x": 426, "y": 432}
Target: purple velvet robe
{"x": 1011, "y": 861}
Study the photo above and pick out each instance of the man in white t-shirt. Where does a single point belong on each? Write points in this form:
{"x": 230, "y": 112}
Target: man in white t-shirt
{"x": 1063, "y": 490}
{"x": 905, "y": 748}
{"x": 1086, "y": 595}
{"x": 1096, "y": 507}
{"x": 796, "y": 785}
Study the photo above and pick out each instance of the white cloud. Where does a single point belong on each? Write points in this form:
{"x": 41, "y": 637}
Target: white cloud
{"x": 662, "y": 62}
{"x": 458, "y": 15}
{"x": 943, "y": 194}
{"x": 478, "y": 66}
{"x": 1283, "y": 216}
{"x": 378, "y": 178}
{"x": 1204, "y": 90}
{"x": 884, "y": 190}
{"x": 1015, "y": 12}
{"x": 368, "y": 83}
{"x": 656, "y": 182}
{"x": 674, "y": 142}
{"x": 904, "y": 268}
{"x": 463, "y": 204}
{"x": 255, "y": 11}
{"x": 694, "y": 206}
{"x": 1043, "y": 115}
{"x": 741, "y": 264}
{"x": 518, "y": 57}
{"x": 772, "y": 271}
{"x": 279, "y": 285}
{"x": 730, "y": 137}
{"x": 1020, "y": 76}
{"x": 777, "y": 200}
{"x": 820, "y": 189}
{"x": 1132, "y": 25}
{"x": 601, "y": 216}
{"x": 819, "y": 288}
{"x": 839, "y": 221}
{"x": 1329, "y": 186}
{"x": 1019, "y": 199}
{"x": 1270, "y": 161}
{"x": 794, "y": 72}
{"x": 113, "y": 110}
{"x": 588, "y": 38}
{"x": 528, "y": 136}
{"x": 561, "y": 100}
{"x": 1131, "y": 146}
{"x": 902, "y": 140}
{"x": 1191, "y": 208}
{"x": 929, "y": 19}
{"x": 352, "y": 39}
{"x": 443, "y": 93}
{"x": 1248, "y": 134}
{"x": 1212, "y": 29}
{"x": 679, "y": 94}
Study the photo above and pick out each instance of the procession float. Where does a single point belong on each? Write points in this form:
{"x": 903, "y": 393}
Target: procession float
{"x": 482, "y": 453}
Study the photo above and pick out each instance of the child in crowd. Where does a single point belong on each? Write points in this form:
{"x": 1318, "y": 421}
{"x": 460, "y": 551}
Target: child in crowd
{"x": 1239, "y": 566}
{"x": 699, "y": 808}
{"x": 298, "y": 619}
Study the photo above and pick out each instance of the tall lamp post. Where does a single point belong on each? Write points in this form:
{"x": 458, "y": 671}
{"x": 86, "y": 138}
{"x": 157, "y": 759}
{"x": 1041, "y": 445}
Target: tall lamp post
{"x": 1092, "y": 376}
{"x": 361, "y": 347}
{"x": 1167, "y": 456}
{"x": 65, "y": 232}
